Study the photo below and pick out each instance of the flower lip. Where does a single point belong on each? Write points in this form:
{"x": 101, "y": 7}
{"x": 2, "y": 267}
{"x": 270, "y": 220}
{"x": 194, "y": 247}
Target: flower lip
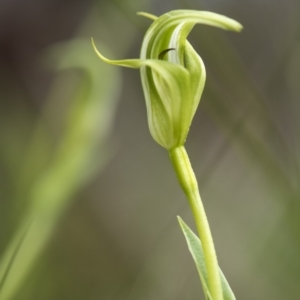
{"x": 164, "y": 52}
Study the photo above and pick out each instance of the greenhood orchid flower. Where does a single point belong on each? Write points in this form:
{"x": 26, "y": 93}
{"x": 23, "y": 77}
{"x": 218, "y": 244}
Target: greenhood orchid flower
{"x": 173, "y": 74}
{"x": 173, "y": 78}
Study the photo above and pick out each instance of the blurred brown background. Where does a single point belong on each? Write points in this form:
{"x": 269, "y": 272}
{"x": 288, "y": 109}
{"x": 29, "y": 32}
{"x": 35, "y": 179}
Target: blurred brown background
{"x": 119, "y": 237}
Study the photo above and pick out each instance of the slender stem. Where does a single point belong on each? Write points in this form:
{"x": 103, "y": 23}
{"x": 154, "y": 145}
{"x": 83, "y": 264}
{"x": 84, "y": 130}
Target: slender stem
{"x": 188, "y": 182}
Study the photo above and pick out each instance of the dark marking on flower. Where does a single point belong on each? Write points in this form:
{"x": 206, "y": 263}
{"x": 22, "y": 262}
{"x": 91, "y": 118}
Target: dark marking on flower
{"x": 164, "y": 52}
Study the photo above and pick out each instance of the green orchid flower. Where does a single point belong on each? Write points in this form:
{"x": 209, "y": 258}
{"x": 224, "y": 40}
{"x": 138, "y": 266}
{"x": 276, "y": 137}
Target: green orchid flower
{"x": 173, "y": 77}
{"x": 173, "y": 74}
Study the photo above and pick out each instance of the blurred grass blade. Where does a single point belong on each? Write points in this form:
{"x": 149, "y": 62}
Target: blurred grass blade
{"x": 11, "y": 254}
{"x": 195, "y": 248}
{"x": 76, "y": 158}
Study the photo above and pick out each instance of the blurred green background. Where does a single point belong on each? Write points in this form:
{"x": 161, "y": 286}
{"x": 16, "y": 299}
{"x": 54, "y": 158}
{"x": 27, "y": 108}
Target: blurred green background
{"x": 91, "y": 195}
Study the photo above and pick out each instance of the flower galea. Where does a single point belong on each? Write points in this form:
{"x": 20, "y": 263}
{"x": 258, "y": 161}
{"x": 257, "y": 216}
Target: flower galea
{"x": 173, "y": 74}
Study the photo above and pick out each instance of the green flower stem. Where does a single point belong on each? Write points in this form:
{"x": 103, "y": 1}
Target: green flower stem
{"x": 188, "y": 182}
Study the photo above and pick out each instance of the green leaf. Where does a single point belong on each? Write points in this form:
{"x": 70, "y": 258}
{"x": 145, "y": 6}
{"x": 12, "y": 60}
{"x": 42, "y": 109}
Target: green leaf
{"x": 195, "y": 247}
